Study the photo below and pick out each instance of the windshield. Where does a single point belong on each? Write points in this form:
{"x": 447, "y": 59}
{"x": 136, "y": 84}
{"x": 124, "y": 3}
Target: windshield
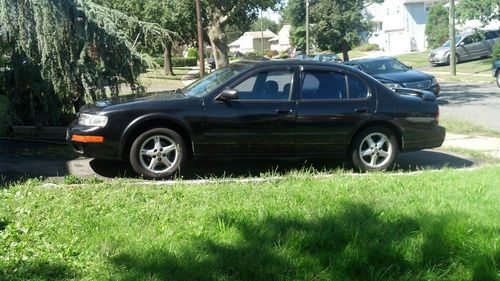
{"x": 457, "y": 39}
{"x": 384, "y": 66}
{"x": 213, "y": 80}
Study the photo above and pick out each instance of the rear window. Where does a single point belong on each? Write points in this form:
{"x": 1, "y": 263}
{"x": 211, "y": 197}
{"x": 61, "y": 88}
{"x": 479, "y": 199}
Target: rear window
{"x": 330, "y": 85}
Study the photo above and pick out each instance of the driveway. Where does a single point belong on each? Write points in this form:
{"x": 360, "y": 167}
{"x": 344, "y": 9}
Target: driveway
{"x": 474, "y": 103}
{"x": 21, "y": 160}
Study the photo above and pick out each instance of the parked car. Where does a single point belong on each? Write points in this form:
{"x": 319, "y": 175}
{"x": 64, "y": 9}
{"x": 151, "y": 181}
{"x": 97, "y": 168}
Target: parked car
{"x": 472, "y": 45}
{"x": 261, "y": 109}
{"x": 327, "y": 58}
{"x": 304, "y": 57}
{"x": 496, "y": 71}
{"x": 395, "y": 74}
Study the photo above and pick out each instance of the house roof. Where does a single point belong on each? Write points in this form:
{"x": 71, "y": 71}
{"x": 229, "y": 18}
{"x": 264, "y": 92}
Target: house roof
{"x": 257, "y": 34}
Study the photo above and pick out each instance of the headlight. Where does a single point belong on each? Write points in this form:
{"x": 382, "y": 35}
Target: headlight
{"x": 434, "y": 82}
{"x": 92, "y": 120}
{"x": 393, "y": 85}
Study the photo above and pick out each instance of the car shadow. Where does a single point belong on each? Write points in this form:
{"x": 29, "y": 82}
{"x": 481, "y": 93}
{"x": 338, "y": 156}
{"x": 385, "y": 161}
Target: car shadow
{"x": 237, "y": 168}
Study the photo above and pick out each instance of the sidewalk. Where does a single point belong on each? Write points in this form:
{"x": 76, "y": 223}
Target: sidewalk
{"x": 488, "y": 145}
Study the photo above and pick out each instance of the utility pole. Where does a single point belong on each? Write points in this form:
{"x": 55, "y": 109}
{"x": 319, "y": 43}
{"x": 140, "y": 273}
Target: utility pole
{"x": 307, "y": 27}
{"x": 453, "y": 47}
{"x": 261, "y": 33}
{"x": 201, "y": 53}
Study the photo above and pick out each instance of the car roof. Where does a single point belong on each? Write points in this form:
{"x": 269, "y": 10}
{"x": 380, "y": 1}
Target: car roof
{"x": 291, "y": 62}
{"x": 359, "y": 61}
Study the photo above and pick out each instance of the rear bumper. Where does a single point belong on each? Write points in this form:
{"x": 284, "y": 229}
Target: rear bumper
{"x": 434, "y": 138}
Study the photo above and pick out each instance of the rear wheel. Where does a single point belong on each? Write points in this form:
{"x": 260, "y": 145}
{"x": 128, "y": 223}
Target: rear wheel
{"x": 158, "y": 153}
{"x": 374, "y": 149}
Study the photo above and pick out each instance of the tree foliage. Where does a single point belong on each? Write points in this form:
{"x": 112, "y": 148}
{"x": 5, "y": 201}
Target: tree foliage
{"x": 295, "y": 15}
{"x": 484, "y": 10}
{"x": 221, "y": 13}
{"x": 437, "y": 29}
{"x": 169, "y": 14}
{"x": 265, "y": 23}
{"x": 338, "y": 24}
{"x": 65, "y": 51}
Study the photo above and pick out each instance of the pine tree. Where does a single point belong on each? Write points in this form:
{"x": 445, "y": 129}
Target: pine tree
{"x": 64, "y": 52}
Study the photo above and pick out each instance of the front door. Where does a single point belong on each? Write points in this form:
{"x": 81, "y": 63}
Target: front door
{"x": 260, "y": 122}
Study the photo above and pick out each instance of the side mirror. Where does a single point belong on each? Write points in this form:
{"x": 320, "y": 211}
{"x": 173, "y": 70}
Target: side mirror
{"x": 227, "y": 95}
{"x": 410, "y": 67}
{"x": 461, "y": 44}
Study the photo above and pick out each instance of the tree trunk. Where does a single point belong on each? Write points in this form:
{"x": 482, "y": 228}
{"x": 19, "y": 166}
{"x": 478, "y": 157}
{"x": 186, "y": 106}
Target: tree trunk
{"x": 219, "y": 45}
{"x": 345, "y": 51}
{"x": 167, "y": 60}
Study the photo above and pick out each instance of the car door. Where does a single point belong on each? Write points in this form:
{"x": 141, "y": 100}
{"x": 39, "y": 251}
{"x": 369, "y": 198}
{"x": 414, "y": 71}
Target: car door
{"x": 261, "y": 121}
{"x": 331, "y": 105}
{"x": 464, "y": 49}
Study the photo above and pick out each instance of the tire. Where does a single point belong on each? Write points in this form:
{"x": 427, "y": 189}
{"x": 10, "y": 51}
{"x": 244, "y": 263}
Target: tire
{"x": 498, "y": 78}
{"x": 374, "y": 149}
{"x": 158, "y": 153}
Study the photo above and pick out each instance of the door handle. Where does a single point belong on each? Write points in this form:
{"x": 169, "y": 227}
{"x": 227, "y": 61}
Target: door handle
{"x": 361, "y": 110}
{"x": 284, "y": 111}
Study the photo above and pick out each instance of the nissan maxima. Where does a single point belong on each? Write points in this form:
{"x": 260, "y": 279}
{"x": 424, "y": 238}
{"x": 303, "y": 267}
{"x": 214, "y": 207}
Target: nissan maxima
{"x": 268, "y": 109}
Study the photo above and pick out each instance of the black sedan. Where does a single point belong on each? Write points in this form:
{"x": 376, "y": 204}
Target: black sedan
{"x": 395, "y": 74}
{"x": 261, "y": 109}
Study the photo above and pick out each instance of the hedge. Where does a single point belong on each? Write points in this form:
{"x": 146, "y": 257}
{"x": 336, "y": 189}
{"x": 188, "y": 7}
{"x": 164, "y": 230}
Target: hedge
{"x": 178, "y": 62}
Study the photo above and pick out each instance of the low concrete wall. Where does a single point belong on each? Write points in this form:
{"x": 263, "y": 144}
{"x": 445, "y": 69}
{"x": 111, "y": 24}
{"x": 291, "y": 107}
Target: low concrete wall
{"x": 45, "y": 133}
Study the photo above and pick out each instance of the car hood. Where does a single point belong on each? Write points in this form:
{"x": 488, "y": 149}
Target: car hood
{"x": 403, "y": 77}
{"x": 440, "y": 50}
{"x": 132, "y": 99}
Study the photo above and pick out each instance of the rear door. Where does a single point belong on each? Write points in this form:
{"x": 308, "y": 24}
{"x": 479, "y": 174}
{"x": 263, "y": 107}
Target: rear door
{"x": 331, "y": 105}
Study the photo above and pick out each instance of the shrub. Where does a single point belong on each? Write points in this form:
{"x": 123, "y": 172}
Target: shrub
{"x": 192, "y": 53}
{"x": 496, "y": 51}
{"x": 367, "y": 48}
{"x": 271, "y": 53}
{"x": 178, "y": 62}
{"x": 4, "y": 116}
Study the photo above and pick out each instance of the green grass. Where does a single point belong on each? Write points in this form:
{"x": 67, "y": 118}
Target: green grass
{"x": 432, "y": 225}
{"x": 467, "y": 128}
{"x": 415, "y": 59}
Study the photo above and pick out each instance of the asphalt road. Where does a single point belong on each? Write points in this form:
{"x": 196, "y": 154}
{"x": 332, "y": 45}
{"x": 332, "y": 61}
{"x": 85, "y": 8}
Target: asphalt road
{"x": 474, "y": 103}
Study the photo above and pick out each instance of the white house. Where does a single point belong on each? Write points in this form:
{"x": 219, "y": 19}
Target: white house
{"x": 281, "y": 42}
{"x": 399, "y": 24}
{"x": 251, "y": 42}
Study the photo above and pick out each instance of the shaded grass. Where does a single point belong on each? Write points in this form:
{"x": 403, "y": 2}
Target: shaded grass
{"x": 435, "y": 225}
{"x": 467, "y": 128}
{"x": 415, "y": 59}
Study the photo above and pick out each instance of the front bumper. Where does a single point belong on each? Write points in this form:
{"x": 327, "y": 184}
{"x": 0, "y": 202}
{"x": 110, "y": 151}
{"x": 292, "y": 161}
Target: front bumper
{"x": 102, "y": 150}
{"x": 438, "y": 59}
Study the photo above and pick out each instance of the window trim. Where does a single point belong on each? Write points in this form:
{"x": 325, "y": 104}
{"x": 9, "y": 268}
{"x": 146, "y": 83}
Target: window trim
{"x": 303, "y": 71}
{"x": 244, "y": 77}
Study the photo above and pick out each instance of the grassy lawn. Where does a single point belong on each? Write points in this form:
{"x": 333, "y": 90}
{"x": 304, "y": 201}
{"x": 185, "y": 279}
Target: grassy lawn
{"x": 432, "y": 225}
{"x": 156, "y": 80}
{"x": 467, "y": 128}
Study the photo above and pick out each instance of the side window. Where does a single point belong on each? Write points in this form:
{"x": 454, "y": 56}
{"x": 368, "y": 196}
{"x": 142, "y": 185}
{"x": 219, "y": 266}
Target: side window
{"x": 267, "y": 85}
{"x": 467, "y": 40}
{"x": 321, "y": 85}
{"x": 357, "y": 88}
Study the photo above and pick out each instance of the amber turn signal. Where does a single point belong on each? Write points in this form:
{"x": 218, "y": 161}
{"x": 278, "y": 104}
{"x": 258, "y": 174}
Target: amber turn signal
{"x": 93, "y": 139}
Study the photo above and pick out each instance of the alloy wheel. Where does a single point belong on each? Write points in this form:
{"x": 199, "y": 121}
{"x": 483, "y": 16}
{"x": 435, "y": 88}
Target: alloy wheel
{"x": 375, "y": 150}
{"x": 159, "y": 154}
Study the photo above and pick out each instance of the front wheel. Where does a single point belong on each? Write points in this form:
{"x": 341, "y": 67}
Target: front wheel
{"x": 374, "y": 149}
{"x": 498, "y": 78}
{"x": 158, "y": 153}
